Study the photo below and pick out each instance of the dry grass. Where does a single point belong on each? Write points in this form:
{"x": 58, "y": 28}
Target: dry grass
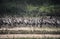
{"x": 30, "y": 30}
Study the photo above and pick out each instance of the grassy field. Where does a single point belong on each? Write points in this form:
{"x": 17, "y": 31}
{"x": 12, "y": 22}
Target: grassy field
{"x": 30, "y": 30}
{"x": 30, "y": 38}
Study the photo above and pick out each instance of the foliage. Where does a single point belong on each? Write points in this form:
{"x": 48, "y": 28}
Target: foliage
{"x": 30, "y": 8}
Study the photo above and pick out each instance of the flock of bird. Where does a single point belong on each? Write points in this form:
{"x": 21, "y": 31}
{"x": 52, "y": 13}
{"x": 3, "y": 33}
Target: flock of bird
{"x": 12, "y": 21}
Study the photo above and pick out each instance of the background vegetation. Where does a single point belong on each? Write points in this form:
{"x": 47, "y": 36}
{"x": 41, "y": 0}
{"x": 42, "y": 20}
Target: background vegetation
{"x": 31, "y": 8}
